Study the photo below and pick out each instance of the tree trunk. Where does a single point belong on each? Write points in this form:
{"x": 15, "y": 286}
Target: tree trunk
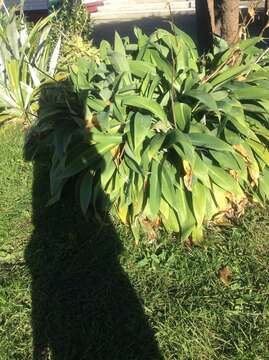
{"x": 266, "y": 7}
{"x": 266, "y": 13}
{"x": 211, "y": 10}
{"x": 205, "y": 22}
{"x": 230, "y": 20}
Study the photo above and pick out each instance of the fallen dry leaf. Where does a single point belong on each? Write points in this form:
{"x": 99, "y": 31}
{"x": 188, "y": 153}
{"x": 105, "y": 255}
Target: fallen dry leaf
{"x": 189, "y": 243}
{"x": 225, "y": 275}
{"x": 152, "y": 235}
{"x": 150, "y": 228}
{"x": 241, "y": 206}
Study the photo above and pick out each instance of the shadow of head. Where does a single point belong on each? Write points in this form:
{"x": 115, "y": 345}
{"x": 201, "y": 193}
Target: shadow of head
{"x": 83, "y": 304}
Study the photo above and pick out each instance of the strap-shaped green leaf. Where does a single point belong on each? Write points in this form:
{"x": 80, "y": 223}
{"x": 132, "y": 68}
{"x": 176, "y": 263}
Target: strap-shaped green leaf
{"x": 146, "y": 104}
{"x": 91, "y": 158}
{"x": 139, "y": 127}
{"x": 250, "y": 93}
{"x": 155, "y": 183}
{"x": 85, "y": 191}
{"x": 141, "y": 68}
{"x": 204, "y": 98}
{"x": 209, "y": 142}
{"x": 183, "y": 115}
{"x": 168, "y": 190}
{"x": 229, "y": 74}
{"x": 199, "y": 201}
{"x": 224, "y": 180}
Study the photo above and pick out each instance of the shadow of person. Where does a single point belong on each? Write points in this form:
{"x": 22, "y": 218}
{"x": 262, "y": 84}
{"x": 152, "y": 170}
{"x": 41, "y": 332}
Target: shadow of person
{"x": 83, "y": 304}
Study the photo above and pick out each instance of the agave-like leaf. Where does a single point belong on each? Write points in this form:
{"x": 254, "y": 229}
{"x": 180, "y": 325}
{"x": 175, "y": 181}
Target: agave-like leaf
{"x": 54, "y": 58}
{"x": 155, "y": 188}
{"x": 21, "y": 71}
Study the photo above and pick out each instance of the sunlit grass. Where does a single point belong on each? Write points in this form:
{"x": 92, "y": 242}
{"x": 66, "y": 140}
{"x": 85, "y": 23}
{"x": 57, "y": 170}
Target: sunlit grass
{"x": 193, "y": 314}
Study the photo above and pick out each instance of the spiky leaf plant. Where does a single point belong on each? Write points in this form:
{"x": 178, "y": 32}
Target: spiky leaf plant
{"x": 159, "y": 135}
{"x": 26, "y": 60}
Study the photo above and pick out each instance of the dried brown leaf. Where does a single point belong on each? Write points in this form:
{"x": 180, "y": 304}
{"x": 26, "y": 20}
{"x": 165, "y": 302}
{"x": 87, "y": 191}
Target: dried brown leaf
{"x": 235, "y": 174}
{"x": 241, "y": 78}
{"x": 242, "y": 151}
{"x": 115, "y": 152}
{"x": 149, "y": 227}
{"x": 189, "y": 243}
{"x": 254, "y": 174}
{"x": 188, "y": 177}
{"x": 157, "y": 222}
{"x": 152, "y": 235}
{"x": 93, "y": 122}
{"x": 225, "y": 275}
{"x": 251, "y": 10}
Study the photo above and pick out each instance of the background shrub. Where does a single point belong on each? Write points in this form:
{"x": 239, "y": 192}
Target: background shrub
{"x": 73, "y": 18}
{"x": 72, "y": 22}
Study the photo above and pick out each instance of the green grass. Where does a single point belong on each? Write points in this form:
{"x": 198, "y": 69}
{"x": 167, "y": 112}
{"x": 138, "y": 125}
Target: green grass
{"x": 90, "y": 293}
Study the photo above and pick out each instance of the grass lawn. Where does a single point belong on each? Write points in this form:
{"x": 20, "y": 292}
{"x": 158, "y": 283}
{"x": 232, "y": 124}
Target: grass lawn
{"x": 91, "y": 294}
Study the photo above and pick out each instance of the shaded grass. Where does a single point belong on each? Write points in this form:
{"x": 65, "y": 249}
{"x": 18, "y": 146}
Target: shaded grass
{"x": 15, "y": 229}
{"x": 193, "y": 315}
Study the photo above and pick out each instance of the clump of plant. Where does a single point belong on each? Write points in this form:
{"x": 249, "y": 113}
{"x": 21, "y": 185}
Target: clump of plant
{"x": 73, "y": 18}
{"x": 73, "y": 23}
{"x": 160, "y": 137}
{"x": 27, "y": 60}
{"x": 74, "y": 47}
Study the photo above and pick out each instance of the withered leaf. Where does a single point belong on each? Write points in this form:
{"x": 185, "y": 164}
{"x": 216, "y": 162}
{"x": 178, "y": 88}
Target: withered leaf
{"x": 225, "y": 275}
{"x": 188, "y": 177}
{"x": 242, "y": 151}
